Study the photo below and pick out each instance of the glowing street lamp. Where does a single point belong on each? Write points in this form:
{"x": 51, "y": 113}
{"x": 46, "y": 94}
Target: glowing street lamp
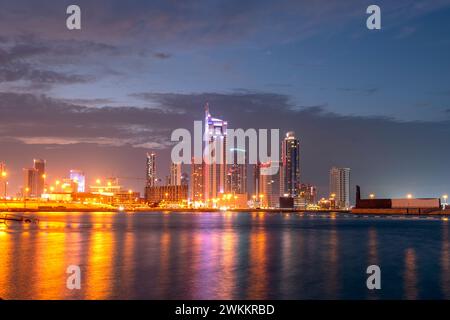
{"x": 409, "y": 196}
{"x": 372, "y": 196}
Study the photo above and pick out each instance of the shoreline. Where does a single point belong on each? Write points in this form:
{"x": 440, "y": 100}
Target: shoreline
{"x": 354, "y": 212}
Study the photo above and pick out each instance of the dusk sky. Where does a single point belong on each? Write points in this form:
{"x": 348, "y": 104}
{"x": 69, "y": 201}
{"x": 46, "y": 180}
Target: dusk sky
{"x": 98, "y": 99}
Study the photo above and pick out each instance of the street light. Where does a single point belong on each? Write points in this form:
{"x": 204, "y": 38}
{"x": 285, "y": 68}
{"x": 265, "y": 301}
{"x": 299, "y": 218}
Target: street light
{"x": 409, "y": 196}
{"x": 372, "y": 196}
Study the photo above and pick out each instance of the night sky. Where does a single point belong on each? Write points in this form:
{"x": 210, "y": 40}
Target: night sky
{"x": 99, "y": 98}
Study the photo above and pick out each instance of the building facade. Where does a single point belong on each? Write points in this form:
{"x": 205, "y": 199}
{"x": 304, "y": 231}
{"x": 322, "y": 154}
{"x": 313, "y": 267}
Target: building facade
{"x": 340, "y": 187}
{"x": 175, "y": 174}
{"x": 39, "y": 166}
{"x": 214, "y": 168}
{"x": 151, "y": 170}
{"x": 290, "y": 166}
{"x": 167, "y": 194}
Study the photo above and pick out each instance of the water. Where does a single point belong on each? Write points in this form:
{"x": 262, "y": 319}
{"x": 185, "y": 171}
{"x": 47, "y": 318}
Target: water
{"x": 225, "y": 256}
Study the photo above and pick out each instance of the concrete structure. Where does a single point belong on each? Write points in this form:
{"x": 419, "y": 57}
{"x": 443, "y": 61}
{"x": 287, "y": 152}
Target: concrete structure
{"x": 340, "y": 187}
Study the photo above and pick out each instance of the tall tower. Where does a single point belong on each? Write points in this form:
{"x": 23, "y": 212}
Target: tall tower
{"x": 196, "y": 192}
{"x": 151, "y": 170}
{"x": 269, "y": 186}
{"x": 39, "y": 166}
{"x": 340, "y": 186}
{"x": 30, "y": 182}
{"x": 290, "y": 170}
{"x": 175, "y": 174}
{"x": 236, "y": 182}
{"x": 214, "y": 169}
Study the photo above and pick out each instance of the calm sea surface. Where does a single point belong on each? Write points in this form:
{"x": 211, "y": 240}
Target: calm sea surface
{"x": 225, "y": 256}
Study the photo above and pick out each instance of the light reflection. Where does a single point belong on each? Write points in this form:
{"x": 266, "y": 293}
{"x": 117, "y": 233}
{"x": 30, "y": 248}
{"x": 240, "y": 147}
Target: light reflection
{"x": 410, "y": 276}
{"x": 445, "y": 262}
{"x": 258, "y": 277}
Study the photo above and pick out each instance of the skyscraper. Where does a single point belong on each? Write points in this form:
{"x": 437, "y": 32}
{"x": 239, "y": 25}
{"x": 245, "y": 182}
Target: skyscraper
{"x": 256, "y": 178}
{"x": 214, "y": 169}
{"x": 39, "y": 166}
{"x": 340, "y": 187}
{"x": 269, "y": 186}
{"x": 78, "y": 177}
{"x": 30, "y": 189}
{"x": 196, "y": 188}
{"x": 175, "y": 174}
{"x": 236, "y": 182}
{"x": 290, "y": 165}
{"x": 151, "y": 170}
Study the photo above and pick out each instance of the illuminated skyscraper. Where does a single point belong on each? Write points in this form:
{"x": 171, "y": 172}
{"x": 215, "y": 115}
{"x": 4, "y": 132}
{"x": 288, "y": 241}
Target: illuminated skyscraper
{"x": 236, "y": 182}
{"x": 39, "y": 166}
{"x": 340, "y": 187}
{"x": 175, "y": 174}
{"x": 214, "y": 169}
{"x": 269, "y": 186}
{"x": 290, "y": 169}
{"x": 151, "y": 170}
{"x": 196, "y": 188}
{"x": 78, "y": 177}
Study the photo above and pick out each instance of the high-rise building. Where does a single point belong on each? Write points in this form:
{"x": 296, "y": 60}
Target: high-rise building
{"x": 214, "y": 169}
{"x": 39, "y": 166}
{"x": 256, "y": 178}
{"x": 30, "y": 183}
{"x": 196, "y": 188}
{"x": 290, "y": 165}
{"x": 307, "y": 195}
{"x": 78, "y": 177}
{"x": 151, "y": 170}
{"x": 340, "y": 187}
{"x": 175, "y": 174}
{"x": 236, "y": 182}
{"x": 269, "y": 186}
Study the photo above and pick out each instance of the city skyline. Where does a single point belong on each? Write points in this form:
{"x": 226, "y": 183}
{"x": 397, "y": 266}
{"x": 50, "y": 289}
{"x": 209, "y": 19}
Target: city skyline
{"x": 80, "y": 99}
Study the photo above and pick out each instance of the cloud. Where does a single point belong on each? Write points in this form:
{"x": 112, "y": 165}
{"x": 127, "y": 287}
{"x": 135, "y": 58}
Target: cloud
{"x": 366, "y": 91}
{"x": 162, "y": 55}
